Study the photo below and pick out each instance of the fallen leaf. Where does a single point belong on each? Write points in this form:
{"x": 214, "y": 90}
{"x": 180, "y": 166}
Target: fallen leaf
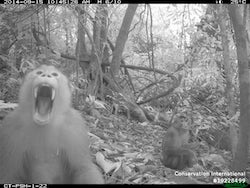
{"x": 105, "y": 164}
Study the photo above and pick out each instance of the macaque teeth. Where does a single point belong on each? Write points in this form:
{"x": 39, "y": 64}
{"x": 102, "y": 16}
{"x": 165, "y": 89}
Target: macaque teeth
{"x": 41, "y": 120}
{"x": 53, "y": 94}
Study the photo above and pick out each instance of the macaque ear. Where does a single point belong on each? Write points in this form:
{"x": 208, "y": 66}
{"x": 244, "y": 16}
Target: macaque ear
{"x": 28, "y": 65}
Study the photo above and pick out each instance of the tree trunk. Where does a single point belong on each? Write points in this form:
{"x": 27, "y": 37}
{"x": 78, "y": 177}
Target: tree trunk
{"x": 122, "y": 38}
{"x": 226, "y": 60}
{"x": 81, "y": 50}
{"x": 99, "y": 39}
{"x": 240, "y": 160}
{"x": 229, "y": 90}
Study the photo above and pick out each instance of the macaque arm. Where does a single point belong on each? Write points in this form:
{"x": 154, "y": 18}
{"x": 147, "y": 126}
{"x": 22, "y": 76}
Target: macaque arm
{"x": 11, "y": 150}
{"x": 77, "y": 150}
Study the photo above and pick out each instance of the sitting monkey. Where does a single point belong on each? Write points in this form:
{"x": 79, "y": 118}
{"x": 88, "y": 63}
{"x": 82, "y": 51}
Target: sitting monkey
{"x": 174, "y": 154}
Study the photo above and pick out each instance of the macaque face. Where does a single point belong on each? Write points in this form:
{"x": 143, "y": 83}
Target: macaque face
{"x": 45, "y": 87}
{"x": 172, "y": 138}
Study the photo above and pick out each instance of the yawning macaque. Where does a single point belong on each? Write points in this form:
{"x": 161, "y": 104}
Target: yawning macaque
{"x": 44, "y": 139}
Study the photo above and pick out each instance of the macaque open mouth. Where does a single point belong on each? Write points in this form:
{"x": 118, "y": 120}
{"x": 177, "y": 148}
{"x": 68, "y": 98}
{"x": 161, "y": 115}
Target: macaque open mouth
{"x": 44, "y": 97}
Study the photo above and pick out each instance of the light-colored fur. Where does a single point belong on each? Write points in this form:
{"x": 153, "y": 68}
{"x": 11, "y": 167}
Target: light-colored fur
{"x": 57, "y": 152}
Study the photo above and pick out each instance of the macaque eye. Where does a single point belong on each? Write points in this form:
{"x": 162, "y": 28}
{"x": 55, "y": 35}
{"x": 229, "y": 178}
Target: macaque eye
{"x": 39, "y": 72}
{"x": 54, "y": 74}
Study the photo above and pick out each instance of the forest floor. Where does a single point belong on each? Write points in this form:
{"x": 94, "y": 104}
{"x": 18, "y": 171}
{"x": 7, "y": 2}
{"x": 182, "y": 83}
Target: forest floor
{"x": 130, "y": 152}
